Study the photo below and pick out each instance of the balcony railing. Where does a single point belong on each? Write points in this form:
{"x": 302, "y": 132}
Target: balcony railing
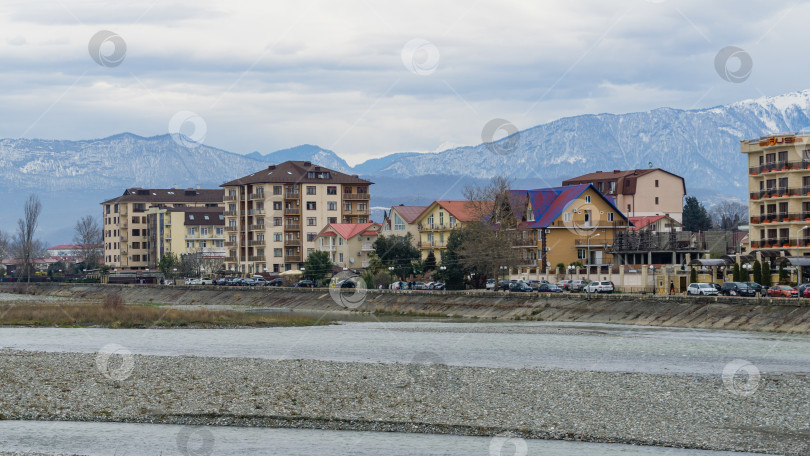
{"x": 428, "y": 244}
{"x": 356, "y": 196}
{"x": 256, "y": 258}
{"x": 256, "y": 196}
{"x": 231, "y": 228}
{"x": 257, "y": 227}
{"x": 781, "y": 192}
{"x": 230, "y": 259}
{"x": 234, "y": 197}
{"x": 328, "y": 248}
{"x": 230, "y": 213}
{"x": 524, "y": 242}
{"x": 436, "y": 227}
{"x": 779, "y": 166}
{"x": 779, "y": 243}
{"x": 781, "y": 217}
{"x": 254, "y": 242}
{"x": 292, "y": 258}
{"x": 256, "y": 212}
{"x": 292, "y": 195}
{"x": 292, "y": 242}
{"x": 292, "y": 211}
{"x": 367, "y": 246}
{"x": 230, "y": 243}
{"x": 292, "y": 227}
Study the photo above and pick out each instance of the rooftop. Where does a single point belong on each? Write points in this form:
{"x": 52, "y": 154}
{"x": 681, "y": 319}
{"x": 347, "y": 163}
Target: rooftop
{"x": 169, "y": 195}
{"x": 297, "y": 172}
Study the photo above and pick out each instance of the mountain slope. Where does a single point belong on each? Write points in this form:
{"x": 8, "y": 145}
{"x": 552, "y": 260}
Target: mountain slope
{"x": 305, "y": 152}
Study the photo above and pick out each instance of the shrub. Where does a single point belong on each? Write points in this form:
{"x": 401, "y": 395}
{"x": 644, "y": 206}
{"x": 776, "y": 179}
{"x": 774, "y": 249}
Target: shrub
{"x": 113, "y": 301}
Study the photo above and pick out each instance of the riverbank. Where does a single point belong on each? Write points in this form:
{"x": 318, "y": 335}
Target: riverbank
{"x": 685, "y": 411}
{"x": 748, "y": 314}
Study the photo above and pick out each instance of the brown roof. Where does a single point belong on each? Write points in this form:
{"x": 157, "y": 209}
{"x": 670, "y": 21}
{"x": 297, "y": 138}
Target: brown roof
{"x": 295, "y": 172}
{"x": 408, "y": 213}
{"x": 462, "y": 210}
{"x": 204, "y": 218}
{"x": 625, "y": 180}
{"x": 169, "y": 195}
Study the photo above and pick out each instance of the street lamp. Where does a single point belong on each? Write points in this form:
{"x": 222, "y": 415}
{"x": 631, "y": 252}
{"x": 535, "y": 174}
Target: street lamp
{"x": 652, "y": 270}
{"x": 503, "y": 271}
{"x": 588, "y": 255}
{"x": 571, "y": 269}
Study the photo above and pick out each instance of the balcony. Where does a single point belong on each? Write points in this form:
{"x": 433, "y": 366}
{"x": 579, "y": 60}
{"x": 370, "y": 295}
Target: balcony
{"x": 256, "y": 258}
{"x": 779, "y": 167}
{"x": 230, "y": 243}
{"x": 124, "y": 225}
{"x": 430, "y": 244}
{"x": 292, "y": 227}
{"x": 234, "y": 197}
{"x": 123, "y": 237}
{"x": 328, "y": 248}
{"x": 230, "y": 259}
{"x": 778, "y": 217}
{"x": 530, "y": 262}
{"x": 230, "y": 213}
{"x": 256, "y": 212}
{"x": 292, "y": 242}
{"x": 367, "y": 246}
{"x": 292, "y": 258}
{"x": 778, "y": 243}
{"x": 524, "y": 242}
{"x": 357, "y": 196}
{"x": 292, "y": 195}
{"x": 292, "y": 211}
{"x": 435, "y": 227}
{"x": 123, "y": 212}
{"x": 256, "y": 196}
{"x": 593, "y": 242}
{"x": 781, "y": 192}
{"x": 254, "y": 242}
{"x": 257, "y": 227}
{"x": 231, "y": 228}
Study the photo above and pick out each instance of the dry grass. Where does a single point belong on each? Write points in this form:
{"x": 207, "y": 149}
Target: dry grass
{"x": 113, "y": 313}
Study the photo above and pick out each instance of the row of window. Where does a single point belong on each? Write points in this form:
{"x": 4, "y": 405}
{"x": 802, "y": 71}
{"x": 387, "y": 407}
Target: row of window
{"x": 205, "y": 244}
{"x": 310, "y": 190}
{"x": 310, "y": 206}
{"x": 205, "y": 231}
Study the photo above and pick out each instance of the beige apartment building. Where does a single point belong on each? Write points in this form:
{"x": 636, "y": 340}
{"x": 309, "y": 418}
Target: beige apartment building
{"x": 401, "y": 220}
{"x": 779, "y": 198}
{"x": 639, "y": 192}
{"x": 349, "y": 244}
{"x": 438, "y": 220}
{"x": 126, "y": 230}
{"x": 186, "y": 231}
{"x": 273, "y": 216}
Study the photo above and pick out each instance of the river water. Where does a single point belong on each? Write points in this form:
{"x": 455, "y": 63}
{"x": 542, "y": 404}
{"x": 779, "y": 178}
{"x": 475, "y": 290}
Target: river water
{"x": 598, "y": 347}
{"x": 122, "y": 439}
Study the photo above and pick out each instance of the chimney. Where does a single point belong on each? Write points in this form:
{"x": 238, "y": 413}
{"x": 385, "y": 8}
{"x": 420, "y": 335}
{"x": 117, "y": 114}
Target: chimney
{"x": 307, "y": 164}
{"x": 271, "y": 167}
{"x": 615, "y": 171}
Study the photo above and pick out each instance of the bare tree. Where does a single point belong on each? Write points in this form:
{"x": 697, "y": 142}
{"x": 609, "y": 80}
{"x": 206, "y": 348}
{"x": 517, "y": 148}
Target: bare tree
{"x": 88, "y": 237}
{"x": 4, "y": 245}
{"x": 28, "y": 248}
{"x": 728, "y": 215}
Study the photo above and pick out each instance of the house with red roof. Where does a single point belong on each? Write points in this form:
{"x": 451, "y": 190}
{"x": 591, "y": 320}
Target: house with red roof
{"x": 655, "y": 223}
{"x": 348, "y": 244}
{"x": 401, "y": 220}
{"x": 437, "y": 220}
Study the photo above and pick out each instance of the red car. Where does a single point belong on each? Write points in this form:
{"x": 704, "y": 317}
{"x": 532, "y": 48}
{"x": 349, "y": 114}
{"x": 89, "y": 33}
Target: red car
{"x": 783, "y": 291}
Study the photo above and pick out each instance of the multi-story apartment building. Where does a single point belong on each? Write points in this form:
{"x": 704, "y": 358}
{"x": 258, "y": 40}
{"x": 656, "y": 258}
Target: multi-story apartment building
{"x": 438, "y": 220}
{"x": 185, "y": 230}
{"x": 126, "y": 232}
{"x": 567, "y": 224}
{"x": 349, "y": 244}
{"x": 779, "y": 198}
{"x": 401, "y": 220}
{"x": 273, "y": 216}
{"x": 639, "y": 192}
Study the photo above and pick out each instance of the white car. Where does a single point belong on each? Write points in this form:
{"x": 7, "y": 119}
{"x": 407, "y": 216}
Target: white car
{"x": 206, "y": 281}
{"x": 599, "y": 287}
{"x": 192, "y": 281}
{"x": 490, "y": 284}
{"x": 701, "y": 289}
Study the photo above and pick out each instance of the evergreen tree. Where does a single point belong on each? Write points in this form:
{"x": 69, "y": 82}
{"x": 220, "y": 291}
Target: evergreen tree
{"x": 693, "y": 275}
{"x": 430, "y": 262}
{"x": 695, "y": 216}
{"x": 168, "y": 262}
{"x": 766, "y": 274}
{"x": 783, "y": 273}
{"x": 757, "y": 269}
{"x": 318, "y": 265}
{"x": 454, "y": 272}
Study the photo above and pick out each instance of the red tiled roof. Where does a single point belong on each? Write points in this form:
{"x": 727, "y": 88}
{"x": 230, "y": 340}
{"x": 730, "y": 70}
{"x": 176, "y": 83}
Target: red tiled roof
{"x": 349, "y": 230}
{"x": 647, "y": 220}
{"x": 408, "y": 213}
{"x": 462, "y": 210}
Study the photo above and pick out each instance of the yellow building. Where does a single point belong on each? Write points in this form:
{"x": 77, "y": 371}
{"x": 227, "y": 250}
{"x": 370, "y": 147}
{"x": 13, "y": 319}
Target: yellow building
{"x": 186, "y": 230}
{"x": 401, "y": 221}
{"x": 273, "y": 216}
{"x": 126, "y": 233}
{"x": 568, "y": 224}
{"x": 349, "y": 244}
{"x": 438, "y": 220}
{"x": 779, "y": 195}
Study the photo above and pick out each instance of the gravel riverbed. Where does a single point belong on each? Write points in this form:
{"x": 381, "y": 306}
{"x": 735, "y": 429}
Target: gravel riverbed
{"x": 688, "y": 411}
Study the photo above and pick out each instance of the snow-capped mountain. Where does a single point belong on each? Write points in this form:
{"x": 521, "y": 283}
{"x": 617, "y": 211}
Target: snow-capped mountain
{"x": 305, "y": 152}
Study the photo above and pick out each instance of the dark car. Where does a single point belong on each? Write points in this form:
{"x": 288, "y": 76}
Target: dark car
{"x": 757, "y": 287}
{"x": 305, "y": 284}
{"x": 346, "y": 283}
{"x": 736, "y": 289}
{"x": 520, "y": 287}
{"x": 502, "y": 285}
{"x": 221, "y": 281}
{"x": 277, "y": 282}
{"x": 565, "y": 285}
{"x": 549, "y": 288}
{"x": 801, "y": 289}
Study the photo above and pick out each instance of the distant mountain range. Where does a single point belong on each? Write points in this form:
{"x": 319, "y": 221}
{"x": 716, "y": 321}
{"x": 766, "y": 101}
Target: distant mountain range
{"x": 702, "y": 145}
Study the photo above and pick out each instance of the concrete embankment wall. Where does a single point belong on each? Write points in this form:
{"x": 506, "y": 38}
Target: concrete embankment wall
{"x": 759, "y": 314}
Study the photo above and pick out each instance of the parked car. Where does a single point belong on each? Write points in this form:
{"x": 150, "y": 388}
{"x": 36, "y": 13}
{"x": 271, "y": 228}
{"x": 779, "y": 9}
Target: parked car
{"x": 782, "y": 291}
{"x": 520, "y": 286}
{"x": 565, "y": 284}
{"x": 490, "y": 284}
{"x": 305, "y": 284}
{"x": 191, "y": 281}
{"x": 221, "y": 281}
{"x": 716, "y": 287}
{"x": 438, "y": 286}
{"x": 536, "y": 283}
{"x": 806, "y": 293}
{"x": 757, "y": 287}
{"x": 234, "y": 281}
{"x": 503, "y": 285}
{"x": 260, "y": 281}
{"x": 736, "y": 289}
{"x": 549, "y": 288}
{"x": 701, "y": 289}
{"x": 599, "y": 287}
{"x": 206, "y": 281}
{"x": 801, "y": 288}
{"x": 578, "y": 285}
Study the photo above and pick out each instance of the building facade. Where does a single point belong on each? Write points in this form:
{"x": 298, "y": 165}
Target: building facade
{"x": 438, "y": 220}
{"x": 401, "y": 221}
{"x": 126, "y": 230}
{"x": 273, "y": 216}
{"x": 779, "y": 194}
{"x": 639, "y": 192}
{"x": 349, "y": 244}
{"x": 186, "y": 231}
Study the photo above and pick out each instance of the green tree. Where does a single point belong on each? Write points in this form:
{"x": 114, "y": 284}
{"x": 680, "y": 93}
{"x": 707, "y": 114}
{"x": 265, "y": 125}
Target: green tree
{"x": 757, "y": 270}
{"x": 167, "y": 263}
{"x": 396, "y": 252}
{"x": 693, "y": 275}
{"x": 766, "y": 274}
{"x": 735, "y": 273}
{"x": 318, "y": 265}
{"x": 430, "y": 262}
{"x": 783, "y": 274}
{"x": 454, "y": 273}
{"x": 695, "y": 216}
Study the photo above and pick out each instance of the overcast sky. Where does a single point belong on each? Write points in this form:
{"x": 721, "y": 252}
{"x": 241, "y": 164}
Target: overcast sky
{"x": 368, "y": 78}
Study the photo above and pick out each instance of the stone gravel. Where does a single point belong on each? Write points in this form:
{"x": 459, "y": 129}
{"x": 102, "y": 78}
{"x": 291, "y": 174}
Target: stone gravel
{"x": 694, "y": 411}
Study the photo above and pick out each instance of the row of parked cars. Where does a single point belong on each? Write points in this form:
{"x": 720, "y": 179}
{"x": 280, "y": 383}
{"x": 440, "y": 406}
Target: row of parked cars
{"x": 235, "y": 281}
{"x": 748, "y": 289}
{"x": 543, "y": 286}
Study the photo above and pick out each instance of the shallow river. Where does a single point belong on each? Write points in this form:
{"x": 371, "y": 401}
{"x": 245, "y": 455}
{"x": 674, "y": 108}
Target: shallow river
{"x": 123, "y": 439}
{"x": 520, "y": 344}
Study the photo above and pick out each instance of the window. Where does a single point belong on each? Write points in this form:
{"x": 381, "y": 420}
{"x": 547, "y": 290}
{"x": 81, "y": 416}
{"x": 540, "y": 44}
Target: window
{"x": 610, "y": 216}
{"x": 331, "y": 206}
{"x": 205, "y": 231}
{"x": 219, "y": 243}
{"x": 581, "y": 254}
{"x": 277, "y": 252}
{"x": 430, "y": 220}
{"x": 656, "y": 200}
{"x": 277, "y": 189}
{"x": 220, "y": 231}
{"x": 361, "y": 206}
{"x": 331, "y": 220}
{"x": 628, "y": 208}
{"x": 276, "y": 205}
{"x": 347, "y": 206}
{"x": 277, "y": 237}
{"x": 311, "y": 206}
{"x": 340, "y": 240}
{"x": 340, "y": 256}
{"x": 310, "y": 189}
{"x": 452, "y": 221}
{"x": 331, "y": 190}
{"x": 399, "y": 224}
{"x": 311, "y": 221}
{"x": 362, "y": 220}
{"x": 347, "y": 190}
{"x": 588, "y": 199}
{"x": 529, "y": 215}
{"x": 441, "y": 218}
{"x": 276, "y": 221}
{"x": 311, "y": 236}
{"x": 567, "y": 217}
{"x": 656, "y": 182}
{"x": 612, "y": 188}
{"x": 190, "y": 245}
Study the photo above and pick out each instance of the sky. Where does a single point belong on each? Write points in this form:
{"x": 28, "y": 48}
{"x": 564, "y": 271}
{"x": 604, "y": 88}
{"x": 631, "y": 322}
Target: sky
{"x": 369, "y": 78}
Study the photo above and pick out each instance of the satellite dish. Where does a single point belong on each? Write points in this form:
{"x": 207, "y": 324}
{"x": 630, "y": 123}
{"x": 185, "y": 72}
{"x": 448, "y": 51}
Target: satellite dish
{"x": 351, "y": 260}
